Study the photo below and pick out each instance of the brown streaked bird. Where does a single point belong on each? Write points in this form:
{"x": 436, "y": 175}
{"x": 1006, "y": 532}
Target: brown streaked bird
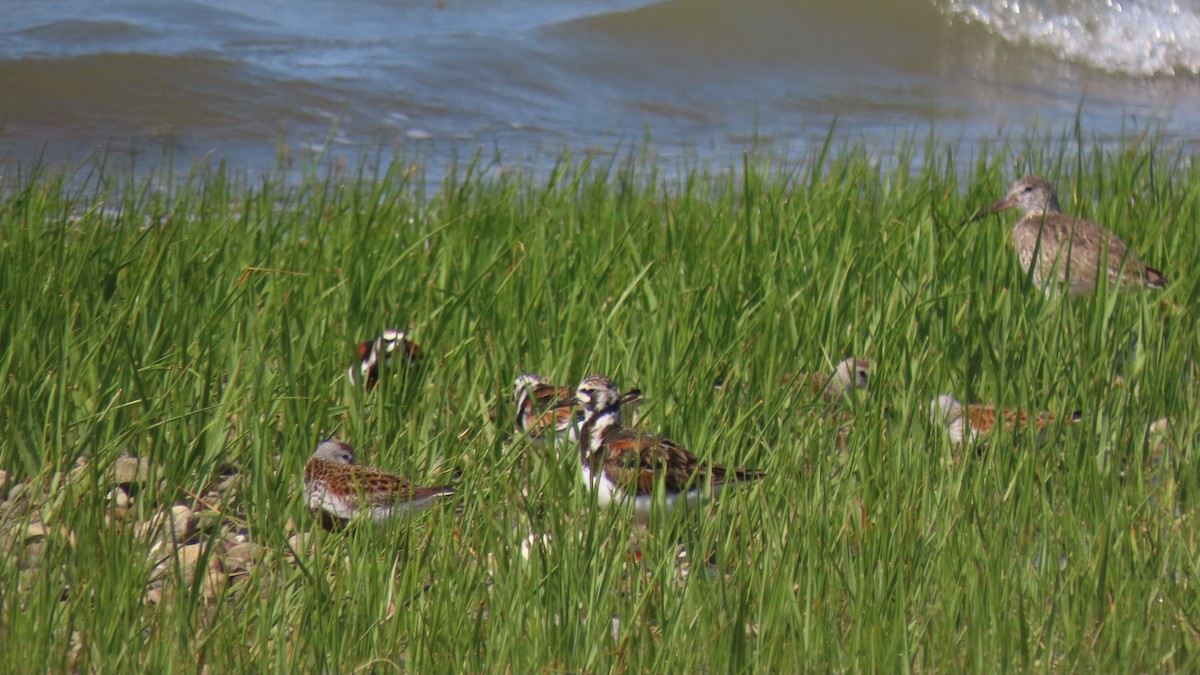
{"x": 542, "y": 413}
{"x": 624, "y": 465}
{"x": 370, "y": 353}
{"x": 849, "y": 374}
{"x": 335, "y": 484}
{"x": 968, "y": 423}
{"x": 539, "y": 413}
{"x": 1069, "y": 251}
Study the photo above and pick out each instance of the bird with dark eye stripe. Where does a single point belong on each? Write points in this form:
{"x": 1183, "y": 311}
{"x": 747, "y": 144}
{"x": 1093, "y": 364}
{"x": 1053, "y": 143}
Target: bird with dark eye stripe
{"x": 542, "y": 412}
{"x": 628, "y": 468}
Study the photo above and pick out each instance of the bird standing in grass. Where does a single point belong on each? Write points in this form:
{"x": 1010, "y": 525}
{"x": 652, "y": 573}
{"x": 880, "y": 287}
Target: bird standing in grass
{"x": 372, "y": 352}
{"x": 333, "y": 483}
{"x": 968, "y": 423}
{"x": 849, "y": 374}
{"x": 1059, "y": 249}
{"x": 540, "y": 415}
{"x": 624, "y": 465}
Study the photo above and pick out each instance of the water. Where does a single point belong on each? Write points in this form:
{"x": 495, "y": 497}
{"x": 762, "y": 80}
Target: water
{"x": 694, "y": 79}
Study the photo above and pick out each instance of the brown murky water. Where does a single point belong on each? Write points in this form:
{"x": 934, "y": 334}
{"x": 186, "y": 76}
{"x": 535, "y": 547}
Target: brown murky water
{"x": 695, "y": 79}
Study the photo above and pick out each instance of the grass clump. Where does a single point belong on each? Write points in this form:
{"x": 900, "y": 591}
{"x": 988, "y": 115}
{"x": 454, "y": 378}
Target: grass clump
{"x": 204, "y": 328}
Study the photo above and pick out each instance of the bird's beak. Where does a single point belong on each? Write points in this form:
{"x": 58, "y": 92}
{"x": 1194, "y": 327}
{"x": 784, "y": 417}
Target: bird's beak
{"x": 999, "y": 206}
{"x": 1006, "y": 203}
{"x": 566, "y": 403}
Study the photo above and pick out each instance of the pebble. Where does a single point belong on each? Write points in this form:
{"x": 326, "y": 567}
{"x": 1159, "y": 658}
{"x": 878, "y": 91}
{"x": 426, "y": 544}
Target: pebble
{"x": 32, "y": 554}
{"x": 174, "y": 526}
{"x": 187, "y": 557}
{"x": 214, "y": 583}
{"x": 32, "y": 541}
{"x": 208, "y": 519}
{"x": 297, "y": 543}
{"x": 119, "y": 498}
{"x": 130, "y": 470}
{"x": 35, "y": 531}
{"x": 75, "y": 649}
{"x": 76, "y": 474}
{"x": 244, "y": 555}
{"x": 16, "y": 492}
{"x": 181, "y": 521}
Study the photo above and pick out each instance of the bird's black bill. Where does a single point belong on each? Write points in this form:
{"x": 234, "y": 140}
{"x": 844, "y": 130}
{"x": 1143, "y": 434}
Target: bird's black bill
{"x": 565, "y": 403}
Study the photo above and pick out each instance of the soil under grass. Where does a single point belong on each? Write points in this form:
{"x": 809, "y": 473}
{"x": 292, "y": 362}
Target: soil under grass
{"x": 172, "y": 355}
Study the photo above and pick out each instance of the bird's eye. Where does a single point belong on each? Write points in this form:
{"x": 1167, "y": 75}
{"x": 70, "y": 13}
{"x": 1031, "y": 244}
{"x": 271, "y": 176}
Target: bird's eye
{"x": 1028, "y": 188}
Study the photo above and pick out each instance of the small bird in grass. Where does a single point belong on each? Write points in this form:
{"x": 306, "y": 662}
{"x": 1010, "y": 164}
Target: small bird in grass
{"x": 1068, "y": 250}
{"x": 540, "y": 415}
{"x": 968, "y": 423}
{"x": 333, "y": 483}
{"x": 624, "y": 465}
{"x": 371, "y": 352}
{"x": 849, "y": 374}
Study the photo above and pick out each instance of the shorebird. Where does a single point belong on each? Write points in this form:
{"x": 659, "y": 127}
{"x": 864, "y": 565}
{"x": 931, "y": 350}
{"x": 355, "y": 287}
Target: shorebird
{"x": 968, "y": 423}
{"x": 335, "y": 484}
{"x": 371, "y": 352}
{"x": 540, "y": 415}
{"x": 1063, "y": 249}
{"x": 624, "y": 465}
{"x": 848, "y": 375}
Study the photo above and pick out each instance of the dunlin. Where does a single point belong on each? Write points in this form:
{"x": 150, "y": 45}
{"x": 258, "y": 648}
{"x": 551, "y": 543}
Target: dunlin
{"x": 1063, "y": 249}
{"x": 372, "y": 352}
{"x": 335, "y": 484}
{"x": 624, "y": 466}
{"x": 968, "y": 423}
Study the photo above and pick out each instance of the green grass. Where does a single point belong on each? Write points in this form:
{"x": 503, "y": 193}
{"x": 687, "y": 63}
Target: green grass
{"x": 206, "y": 324}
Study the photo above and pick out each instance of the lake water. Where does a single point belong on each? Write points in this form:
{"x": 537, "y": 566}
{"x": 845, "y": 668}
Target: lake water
{"x": 692, "y": 79}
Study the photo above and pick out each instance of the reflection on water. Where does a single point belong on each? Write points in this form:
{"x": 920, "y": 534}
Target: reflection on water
{"x": 700, "y": 78}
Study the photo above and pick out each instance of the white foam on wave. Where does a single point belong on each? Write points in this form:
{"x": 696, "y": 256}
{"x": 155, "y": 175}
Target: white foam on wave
{"x": 1135, "y": 37}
